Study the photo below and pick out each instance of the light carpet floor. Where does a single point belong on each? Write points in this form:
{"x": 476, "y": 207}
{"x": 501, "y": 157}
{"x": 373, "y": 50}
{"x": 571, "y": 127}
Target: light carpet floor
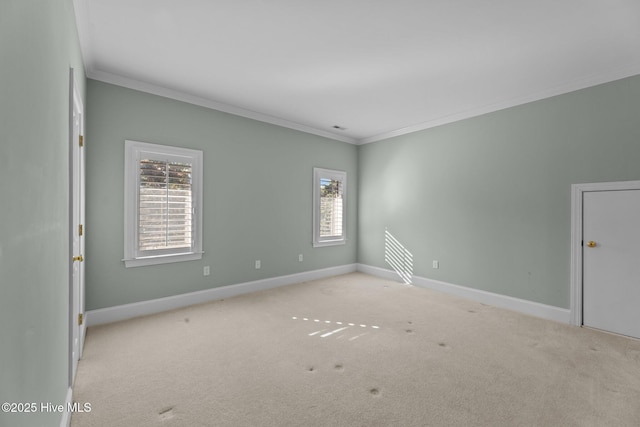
{"x": 354, "y": 350}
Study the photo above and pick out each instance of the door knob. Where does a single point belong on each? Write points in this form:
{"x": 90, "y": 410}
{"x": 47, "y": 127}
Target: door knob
{"x": 592, "y": 244}
{"x": 78, "y": 258}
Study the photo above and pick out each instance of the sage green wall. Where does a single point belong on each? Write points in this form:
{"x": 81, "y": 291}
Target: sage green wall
{"x": 38, "y": 45}
{"x": 489, "y": 197}
{"x": 257, "y": 196}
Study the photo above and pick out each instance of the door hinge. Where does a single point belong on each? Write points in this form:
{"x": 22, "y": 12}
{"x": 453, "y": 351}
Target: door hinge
{"x": 81, "y": 140}
{"x": 80, "y": 319}
{"x": 80, "y": 230}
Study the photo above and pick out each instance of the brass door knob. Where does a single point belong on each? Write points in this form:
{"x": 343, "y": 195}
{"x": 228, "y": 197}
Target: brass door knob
{"x": 592, "y": 244}
{"x": 78, "y": 258}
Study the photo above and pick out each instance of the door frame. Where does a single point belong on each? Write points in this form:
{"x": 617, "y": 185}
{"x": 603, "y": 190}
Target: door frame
{"x": 76, "y": 180}
{"x": 577, "y": 191}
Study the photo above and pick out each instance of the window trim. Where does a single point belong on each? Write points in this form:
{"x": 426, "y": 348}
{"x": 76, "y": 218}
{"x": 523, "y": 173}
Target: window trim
{"x": 133, "y": 150}
{"x": 318, "y": 174}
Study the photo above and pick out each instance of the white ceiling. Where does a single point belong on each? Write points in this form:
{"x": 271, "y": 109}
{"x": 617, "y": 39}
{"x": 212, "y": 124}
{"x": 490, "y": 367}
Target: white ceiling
{"x": 378, "y": 68}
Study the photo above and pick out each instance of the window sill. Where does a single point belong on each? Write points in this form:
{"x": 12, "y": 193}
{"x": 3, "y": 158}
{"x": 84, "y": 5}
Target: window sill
{"x": 162, "y": 259}
{"x": 329, "y": 243}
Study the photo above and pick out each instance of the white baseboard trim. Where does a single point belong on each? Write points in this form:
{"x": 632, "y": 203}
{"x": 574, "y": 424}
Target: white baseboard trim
{"x": 531, "y": 308}
{"x": 66, "y": 415}
{"x": 379, "y": 272}
{"x": 127, "y": 311}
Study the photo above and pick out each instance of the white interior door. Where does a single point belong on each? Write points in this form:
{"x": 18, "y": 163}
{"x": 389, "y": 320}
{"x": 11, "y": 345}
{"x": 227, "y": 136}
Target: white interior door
{"x": 611, "y": 261}
{"x": 77, "y": 232}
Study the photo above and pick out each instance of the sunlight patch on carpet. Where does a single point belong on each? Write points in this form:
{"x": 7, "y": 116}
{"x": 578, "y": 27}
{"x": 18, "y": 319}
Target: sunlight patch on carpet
{"x": 327, "y": 332}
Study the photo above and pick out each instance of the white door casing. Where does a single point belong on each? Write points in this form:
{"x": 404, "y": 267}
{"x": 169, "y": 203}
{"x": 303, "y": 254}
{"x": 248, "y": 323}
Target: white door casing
{"x": 77, "y": 229}
{"x": 605, "y": 276}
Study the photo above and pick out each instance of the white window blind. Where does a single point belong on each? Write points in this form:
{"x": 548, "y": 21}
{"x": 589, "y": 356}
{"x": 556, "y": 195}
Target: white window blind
{"x": 329, "y": 207}
{"x": 165, "y": 211}
{"x": 331, "y": 203}
{"x": 163, "y": 199}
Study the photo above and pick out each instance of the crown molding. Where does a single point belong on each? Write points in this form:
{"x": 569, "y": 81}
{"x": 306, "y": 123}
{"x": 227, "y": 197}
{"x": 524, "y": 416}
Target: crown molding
{"x": 589, "y": 81}
{"x": 586, "y": 82}
{"x": 177, "y": 95}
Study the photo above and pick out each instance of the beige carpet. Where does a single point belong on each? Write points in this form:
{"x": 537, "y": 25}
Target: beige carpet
{"x": 354, "y": 350}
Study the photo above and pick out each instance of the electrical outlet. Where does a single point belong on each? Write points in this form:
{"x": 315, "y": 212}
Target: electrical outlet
{"x": 300, "y": 258}
{"x": 436, "y": 264}
{"x": 257, "y": 264}
{"x": 207, "y": 270}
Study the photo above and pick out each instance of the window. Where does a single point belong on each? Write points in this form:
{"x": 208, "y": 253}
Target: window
{"x": 329, "y": 207}
{"x": 163, "y": 204}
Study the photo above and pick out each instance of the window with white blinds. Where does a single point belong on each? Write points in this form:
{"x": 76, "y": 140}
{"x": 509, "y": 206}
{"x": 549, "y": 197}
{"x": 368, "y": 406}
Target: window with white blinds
{"x": 329, "y": 203}
{"x": 163, "y": 199}
{"x": 165, "y": 212}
